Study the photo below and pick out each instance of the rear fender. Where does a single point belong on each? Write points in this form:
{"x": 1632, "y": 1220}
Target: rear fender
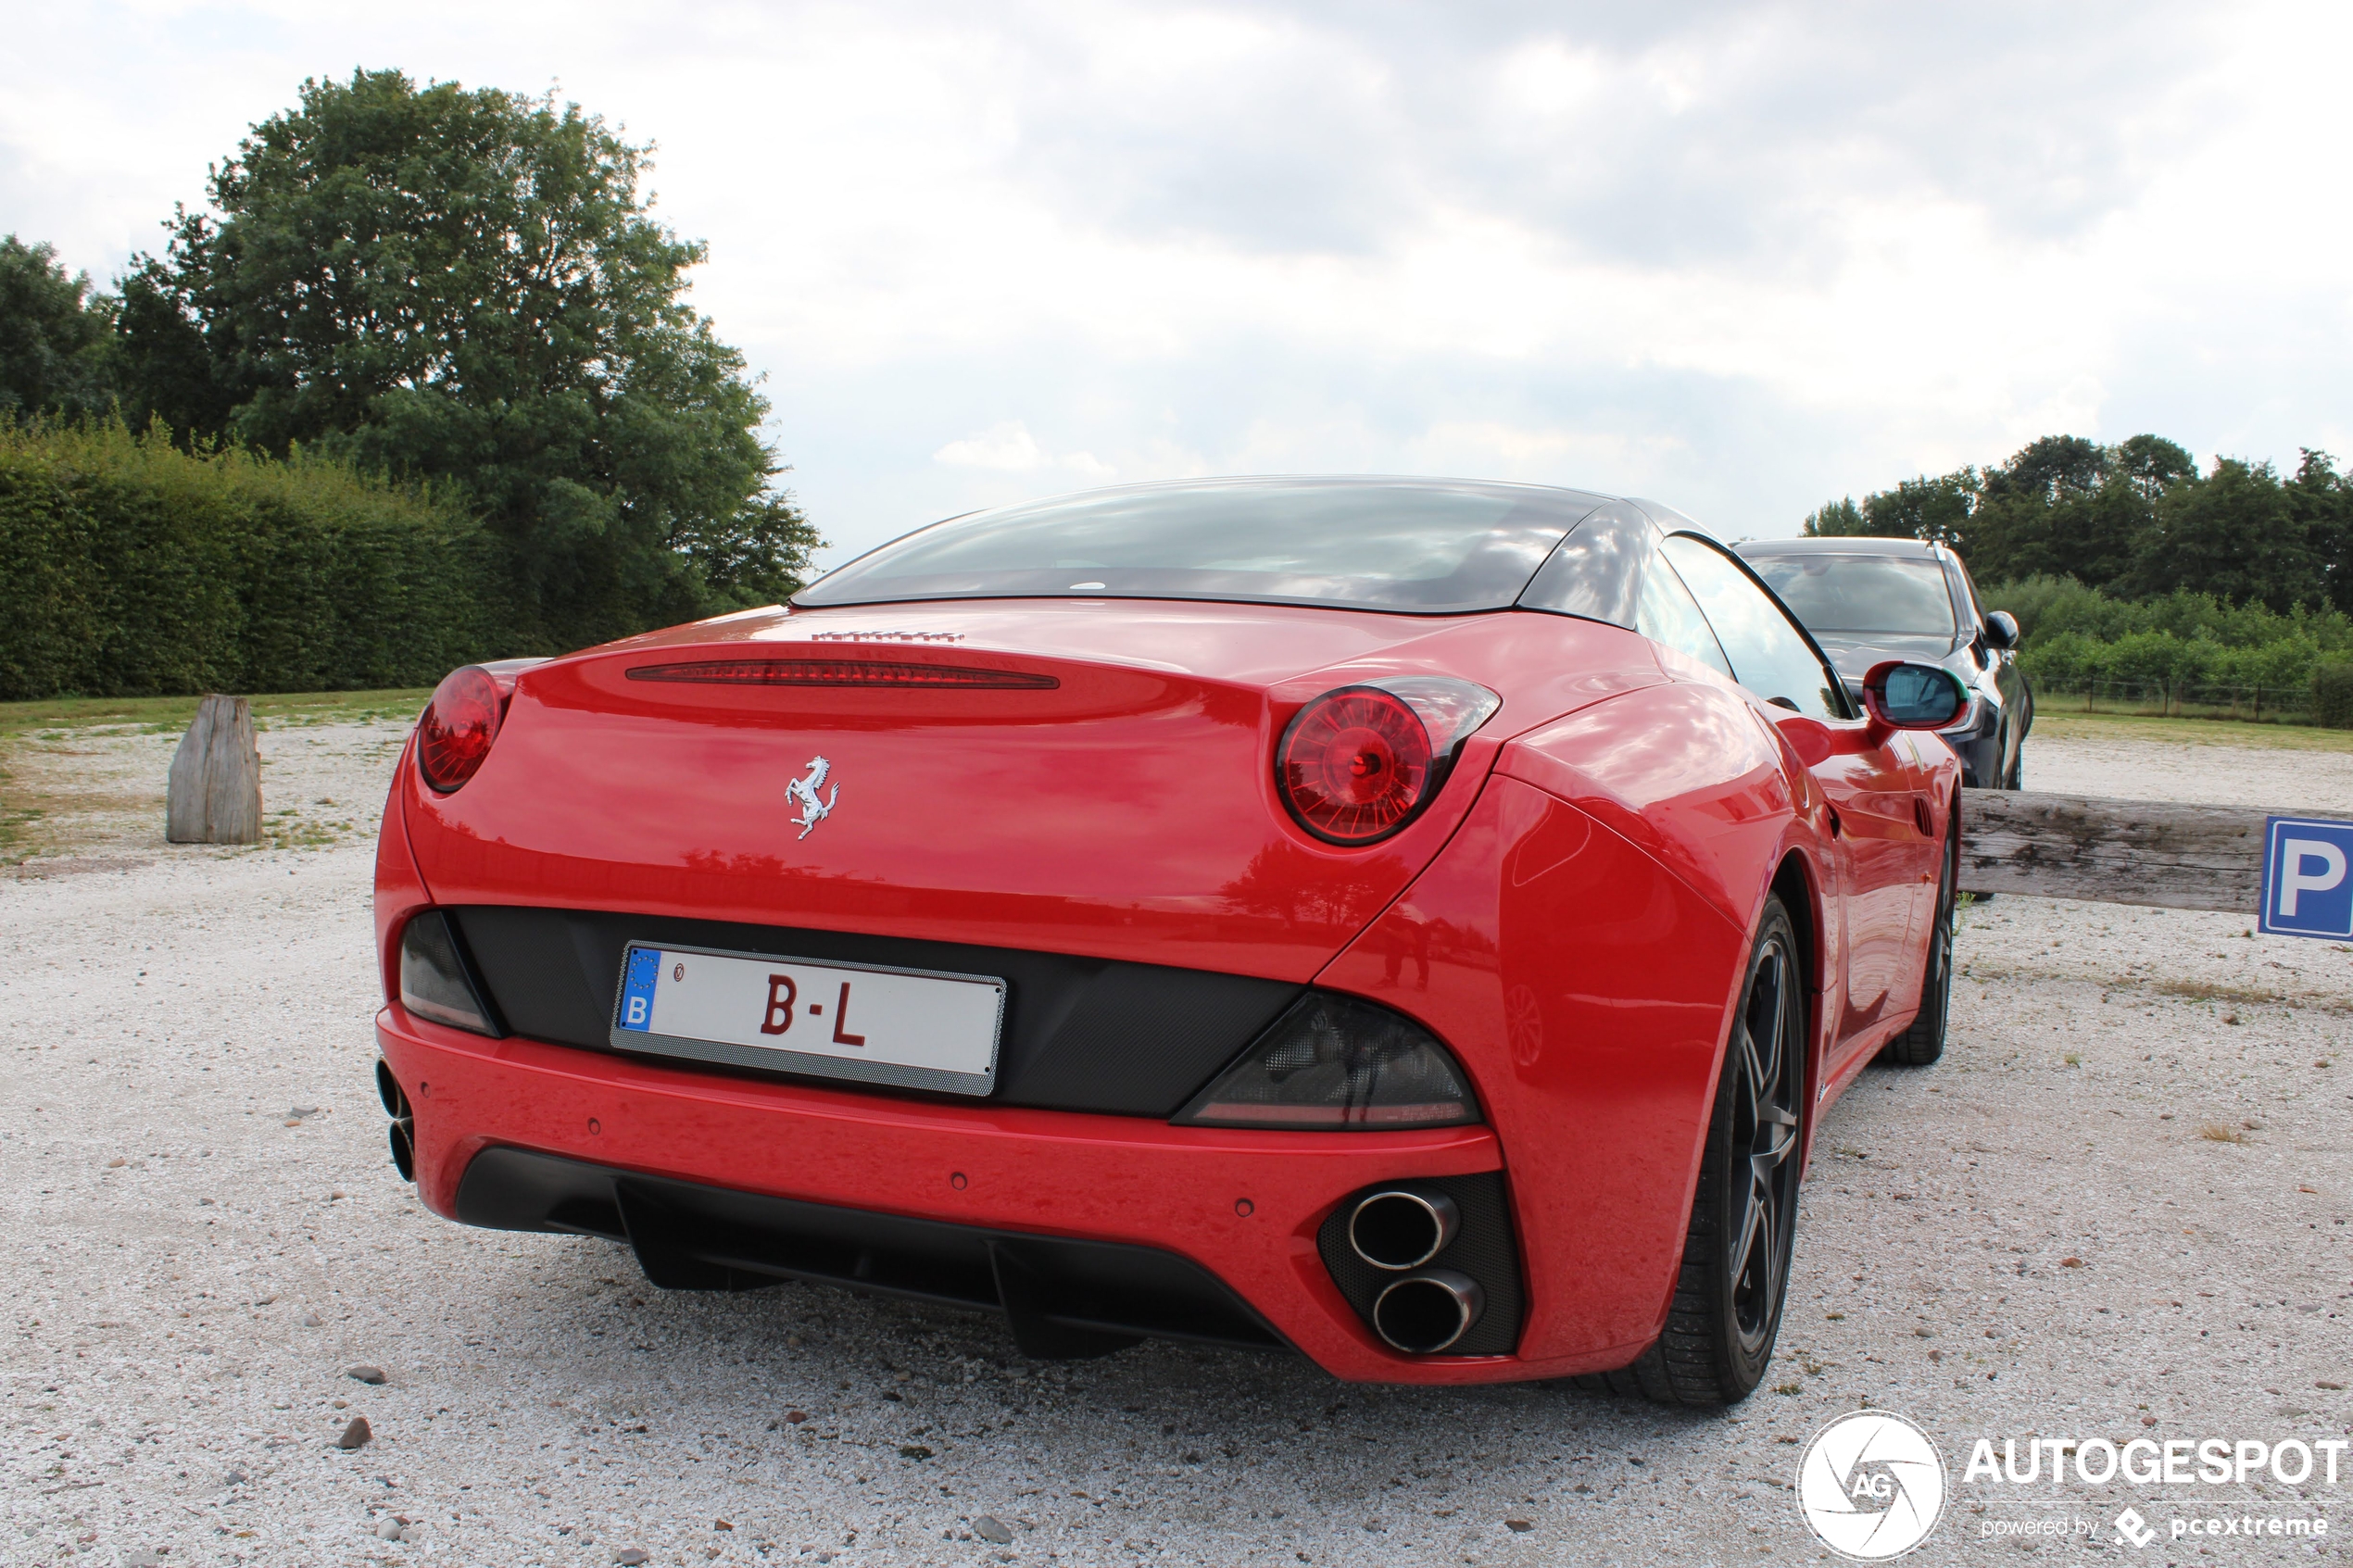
{"x": 1686, "y": 773}
{"x": 1588, "y": 992}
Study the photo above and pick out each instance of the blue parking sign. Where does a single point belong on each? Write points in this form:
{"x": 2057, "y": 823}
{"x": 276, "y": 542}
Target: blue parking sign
{"x": 2308, "y": 877}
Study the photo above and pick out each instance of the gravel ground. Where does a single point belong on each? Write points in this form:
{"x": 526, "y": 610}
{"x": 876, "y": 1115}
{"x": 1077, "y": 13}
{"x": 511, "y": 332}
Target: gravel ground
{"x": 2120, "y": 1207}
{"x": 2199, "y": 773}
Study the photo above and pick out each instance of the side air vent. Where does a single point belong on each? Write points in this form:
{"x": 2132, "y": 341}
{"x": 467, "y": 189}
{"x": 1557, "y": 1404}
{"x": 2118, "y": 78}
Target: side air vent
{"x": 844, "y": 672}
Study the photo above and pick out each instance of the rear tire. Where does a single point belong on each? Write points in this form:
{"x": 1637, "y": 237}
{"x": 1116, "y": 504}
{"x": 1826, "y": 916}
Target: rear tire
{"x": 1923, "y": 1041}
{"x": 1735, "y": 1270}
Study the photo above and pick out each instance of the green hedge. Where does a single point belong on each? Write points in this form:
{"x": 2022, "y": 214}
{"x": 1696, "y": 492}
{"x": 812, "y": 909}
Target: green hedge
{"x": 2074, "y": 638}
{"x": 2333, "y": 695}
{"x": 129, "y": 566}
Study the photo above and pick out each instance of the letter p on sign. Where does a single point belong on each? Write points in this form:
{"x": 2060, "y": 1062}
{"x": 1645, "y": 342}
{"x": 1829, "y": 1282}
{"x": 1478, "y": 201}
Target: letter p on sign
{"x": 2307, "y": 888}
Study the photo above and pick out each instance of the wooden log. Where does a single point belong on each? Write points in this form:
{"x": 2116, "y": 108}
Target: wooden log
{"x": 214, "y": 791}
{"x": 2152, "y": 852}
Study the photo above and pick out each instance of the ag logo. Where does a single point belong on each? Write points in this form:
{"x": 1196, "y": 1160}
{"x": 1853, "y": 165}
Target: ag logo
{"x": 1871, "y": 1486}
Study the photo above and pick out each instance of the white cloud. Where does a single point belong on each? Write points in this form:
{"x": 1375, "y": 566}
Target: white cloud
{"x": 1011, "y": 448}
{"x": 1739, "y": 256}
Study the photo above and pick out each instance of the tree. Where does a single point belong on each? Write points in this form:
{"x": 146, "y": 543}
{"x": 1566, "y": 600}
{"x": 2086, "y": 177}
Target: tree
{"x": 1841, "y": 519}
{"x": 464, "y": 285}
{"x": 2322, "y": 501}
{"x": 2234, "y": 534}
{"x": 2052, "y": 468}
{"x": 55, "y": 340}
{"x": 1936, "y": 510}
{"x": 2152, "y": 465}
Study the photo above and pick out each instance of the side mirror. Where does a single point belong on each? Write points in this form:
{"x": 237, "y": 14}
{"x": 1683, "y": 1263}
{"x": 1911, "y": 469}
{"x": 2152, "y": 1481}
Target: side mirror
{"x": 2001, "y": 628}
{"x": 1913, "y": 696}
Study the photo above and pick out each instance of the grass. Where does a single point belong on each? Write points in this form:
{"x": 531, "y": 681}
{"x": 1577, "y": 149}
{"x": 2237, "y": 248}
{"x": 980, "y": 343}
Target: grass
{"x": 2215, "y": 1132}
{"x": 173, "y": 713}
{"x": 2065, "y": 724}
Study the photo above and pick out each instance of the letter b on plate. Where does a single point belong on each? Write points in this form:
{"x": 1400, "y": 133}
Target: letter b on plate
{"x": 2308, "y": 877}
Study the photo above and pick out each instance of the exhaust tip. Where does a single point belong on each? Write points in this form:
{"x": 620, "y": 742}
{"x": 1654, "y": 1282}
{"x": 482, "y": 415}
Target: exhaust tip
{"x": 388, "y": 1090}
{"x": 1398, "y": 1228}
{"x": 404, "y": 1151}
{"x": 1423, "y": 1314}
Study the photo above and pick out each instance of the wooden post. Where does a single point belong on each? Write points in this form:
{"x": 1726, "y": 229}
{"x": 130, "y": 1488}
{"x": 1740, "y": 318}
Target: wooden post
{"x": 2113, "y": 851}
{"x": 214, "y": 794}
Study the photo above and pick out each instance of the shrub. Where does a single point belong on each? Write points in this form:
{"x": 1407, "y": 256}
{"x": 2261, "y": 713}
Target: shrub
{"x": 2332, "y": 695}
{"x": 129, "y": 566}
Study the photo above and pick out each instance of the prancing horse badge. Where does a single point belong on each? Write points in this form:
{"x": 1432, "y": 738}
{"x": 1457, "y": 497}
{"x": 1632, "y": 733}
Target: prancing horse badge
{"x": 804, "y": 790}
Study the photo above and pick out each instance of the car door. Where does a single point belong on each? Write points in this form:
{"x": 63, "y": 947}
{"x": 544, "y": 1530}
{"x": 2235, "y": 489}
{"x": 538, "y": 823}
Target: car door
{"x": 1873, "y": 793}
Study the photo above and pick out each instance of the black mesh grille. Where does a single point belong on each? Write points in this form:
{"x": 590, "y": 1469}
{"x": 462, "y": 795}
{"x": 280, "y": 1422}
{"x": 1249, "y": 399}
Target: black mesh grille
{"x": 1483, "y": 1248}
{"x": 1079, "y": 1033}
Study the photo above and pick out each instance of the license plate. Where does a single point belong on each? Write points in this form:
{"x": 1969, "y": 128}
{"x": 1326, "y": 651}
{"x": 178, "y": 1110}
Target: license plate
{"x": 911, "y": 1028}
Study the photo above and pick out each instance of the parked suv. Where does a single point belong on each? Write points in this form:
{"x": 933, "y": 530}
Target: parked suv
{"x": 1866, "y": 600}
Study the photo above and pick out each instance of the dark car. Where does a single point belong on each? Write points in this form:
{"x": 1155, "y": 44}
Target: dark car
{"x": 1866, "y": 600}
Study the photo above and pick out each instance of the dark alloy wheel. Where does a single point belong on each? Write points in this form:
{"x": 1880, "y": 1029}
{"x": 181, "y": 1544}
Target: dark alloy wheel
{"x": 1923, "y": 1040}
{"x": 1735, "y": 1270}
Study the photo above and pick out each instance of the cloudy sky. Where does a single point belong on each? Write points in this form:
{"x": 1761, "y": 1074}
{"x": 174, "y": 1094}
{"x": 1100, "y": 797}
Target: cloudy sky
{"x": 1740, "y": 257}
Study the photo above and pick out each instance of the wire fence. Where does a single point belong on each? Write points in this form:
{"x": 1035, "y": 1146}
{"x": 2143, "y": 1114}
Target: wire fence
{"x": 2180, "y": 699}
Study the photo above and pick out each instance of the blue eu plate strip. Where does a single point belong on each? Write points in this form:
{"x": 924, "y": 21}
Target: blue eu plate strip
{"x": 637, "y": 989}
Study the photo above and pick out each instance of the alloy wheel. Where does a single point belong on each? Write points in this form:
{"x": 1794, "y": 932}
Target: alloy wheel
{"x": 1765, "y": 1122}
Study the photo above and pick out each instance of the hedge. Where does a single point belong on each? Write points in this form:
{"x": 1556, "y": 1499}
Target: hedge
{"x": 129, "y": 566}
{"x": 2333, "y": 695}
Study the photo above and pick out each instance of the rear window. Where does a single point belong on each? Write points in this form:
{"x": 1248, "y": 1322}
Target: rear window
{"x": 1850, "y": 594}
{"x": 1427, "y": 547}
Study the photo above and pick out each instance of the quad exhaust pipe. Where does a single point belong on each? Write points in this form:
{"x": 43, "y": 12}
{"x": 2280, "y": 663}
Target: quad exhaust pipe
{"x": 1400, "y": 1228}
{"x": 404, "y": 1121}
{"x": 1423, "y": 1314}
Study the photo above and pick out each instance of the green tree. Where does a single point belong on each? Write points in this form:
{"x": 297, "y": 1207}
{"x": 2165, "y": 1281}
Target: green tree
{"x": 2151, "y": 465}
{"x": 1839, "y": 520}
{"x": 2323, "y": 501}
{"x": 2235, "y": 535}
{"x": 1937, "y": 509}
{"x": 2051, "y": 511}
{"x": 54, "y": 339}
{"x": 465, "y": 285}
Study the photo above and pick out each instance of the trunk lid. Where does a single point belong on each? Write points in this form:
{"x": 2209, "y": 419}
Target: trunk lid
{"x": 1101, "y": 784}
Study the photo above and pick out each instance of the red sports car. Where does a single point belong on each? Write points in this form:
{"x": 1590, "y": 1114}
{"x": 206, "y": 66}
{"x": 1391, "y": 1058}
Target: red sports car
{"x": 1416, "y": 922}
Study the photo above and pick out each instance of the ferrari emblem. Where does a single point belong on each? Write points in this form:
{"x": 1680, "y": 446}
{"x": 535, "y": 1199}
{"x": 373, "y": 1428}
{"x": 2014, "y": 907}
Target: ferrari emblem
{"x": 804, "y": 790}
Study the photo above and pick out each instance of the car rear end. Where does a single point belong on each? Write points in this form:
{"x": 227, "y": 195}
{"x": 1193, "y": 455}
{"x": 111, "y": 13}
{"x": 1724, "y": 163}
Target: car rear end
{"x": 977, "y": 951}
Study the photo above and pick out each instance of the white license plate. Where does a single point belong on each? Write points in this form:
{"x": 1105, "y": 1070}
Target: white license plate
{"x": 912, "y": 1028}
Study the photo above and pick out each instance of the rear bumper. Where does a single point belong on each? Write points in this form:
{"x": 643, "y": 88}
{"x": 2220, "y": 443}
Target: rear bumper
{"x": 988, "y": 1190}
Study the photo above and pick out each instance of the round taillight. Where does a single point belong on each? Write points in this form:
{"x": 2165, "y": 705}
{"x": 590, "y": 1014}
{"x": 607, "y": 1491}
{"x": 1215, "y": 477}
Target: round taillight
{"x": 1354, "y": 765}
{"x": 459, "y": 724}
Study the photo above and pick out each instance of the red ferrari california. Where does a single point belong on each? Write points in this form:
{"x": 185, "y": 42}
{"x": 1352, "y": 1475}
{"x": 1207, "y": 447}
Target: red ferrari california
{"x": 1416, "y": 922}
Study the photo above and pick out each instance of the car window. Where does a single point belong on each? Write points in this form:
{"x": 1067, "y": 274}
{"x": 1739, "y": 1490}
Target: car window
{"x": 1845, "y": 594}
{"x": 1965, "y": 596}
{"x": 1425, "y": 547}
{"x": 1666, "y": 613}
{"x": 1770, "y": 655}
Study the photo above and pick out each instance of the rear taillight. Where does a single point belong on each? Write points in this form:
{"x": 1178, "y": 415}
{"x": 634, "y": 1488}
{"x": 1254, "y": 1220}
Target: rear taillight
{"x": 1357, "y": 763}
{"x": 459, "y": 724}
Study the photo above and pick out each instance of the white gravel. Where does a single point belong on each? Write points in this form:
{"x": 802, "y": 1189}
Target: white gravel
{"x": 2032, "y": 1237}
{"x": 2199, "y": 773}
